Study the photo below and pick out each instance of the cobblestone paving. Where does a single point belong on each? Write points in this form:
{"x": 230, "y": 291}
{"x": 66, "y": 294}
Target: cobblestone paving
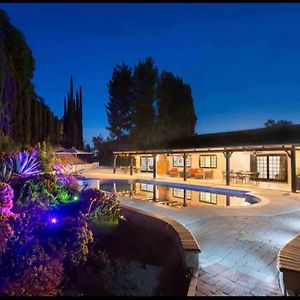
{"x": 239, "y": 254}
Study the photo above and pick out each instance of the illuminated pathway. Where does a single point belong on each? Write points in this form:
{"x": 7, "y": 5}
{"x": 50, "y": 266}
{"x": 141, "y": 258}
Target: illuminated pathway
{"x": 239, "y": 246}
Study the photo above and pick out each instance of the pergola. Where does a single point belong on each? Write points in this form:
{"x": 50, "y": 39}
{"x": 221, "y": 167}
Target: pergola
{"x": 290, "y": 149}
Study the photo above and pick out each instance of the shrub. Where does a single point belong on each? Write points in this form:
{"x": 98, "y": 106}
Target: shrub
{"x": 37, "y": 274}
{"x": 68, "y": 181}
{"x": 100, "y": 205}
{"x": 6, "y": 144}
{"x": 6, "y": 170}
{"x": 45, "y": 156}
{"x": 6, "y": 197}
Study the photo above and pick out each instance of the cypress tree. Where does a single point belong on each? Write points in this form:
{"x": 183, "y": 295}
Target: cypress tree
{"x": 80, "y": 120}
{"x": 72, "y": 119}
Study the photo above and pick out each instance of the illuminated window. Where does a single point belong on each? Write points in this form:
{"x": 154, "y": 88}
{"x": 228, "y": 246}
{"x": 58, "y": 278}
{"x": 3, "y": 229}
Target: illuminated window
{"x": 146, "y": 164}
{"x": 208, "y": 197}
{"x": 179, "y": 193}
{"x": 178, "y": 161}
{"x": 208, "y": 161}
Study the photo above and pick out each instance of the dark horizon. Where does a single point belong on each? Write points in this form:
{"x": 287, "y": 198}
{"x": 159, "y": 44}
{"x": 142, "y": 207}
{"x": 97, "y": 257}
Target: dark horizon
{"x": 241, "y": 60}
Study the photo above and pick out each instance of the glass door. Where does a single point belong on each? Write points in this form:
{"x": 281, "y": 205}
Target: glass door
{"x": 270, "y": 167}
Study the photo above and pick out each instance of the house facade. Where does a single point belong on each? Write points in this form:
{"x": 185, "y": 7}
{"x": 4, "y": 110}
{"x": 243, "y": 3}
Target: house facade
{"x": 274, "y": 161}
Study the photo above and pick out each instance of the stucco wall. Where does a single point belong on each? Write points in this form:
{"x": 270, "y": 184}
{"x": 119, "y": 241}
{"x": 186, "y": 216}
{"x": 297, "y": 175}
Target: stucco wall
{"x": 238, "y": 161}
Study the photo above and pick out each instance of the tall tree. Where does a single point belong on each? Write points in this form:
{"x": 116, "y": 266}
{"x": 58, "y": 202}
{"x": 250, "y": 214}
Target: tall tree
{"x": 119, "y": 106}
{"x": 143, "y": 112}
{"x": 176, "y": 114}
{"x": 72, "y": 119}
{"x": 21, "y": 112}
{"x": 80, "y": 128}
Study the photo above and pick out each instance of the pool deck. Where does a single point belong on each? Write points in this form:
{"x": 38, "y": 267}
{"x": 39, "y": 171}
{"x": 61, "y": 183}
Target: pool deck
{"x": 239, "y": 245}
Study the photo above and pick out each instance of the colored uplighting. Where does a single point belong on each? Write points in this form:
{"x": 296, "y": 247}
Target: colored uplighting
{"x": 63, "y": 196}
{"x": 53, "y": 220}
{"x": 75, "y": 198}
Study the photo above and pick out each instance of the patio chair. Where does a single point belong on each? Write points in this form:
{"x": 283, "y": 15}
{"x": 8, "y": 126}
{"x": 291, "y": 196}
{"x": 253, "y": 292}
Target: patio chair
{"x": 191, "y": 172}
{"x": 173, "y": 172}
{"x": 199, "y": 174}
{"x": 209, "y": 174}
{"x": 254, "y": 177}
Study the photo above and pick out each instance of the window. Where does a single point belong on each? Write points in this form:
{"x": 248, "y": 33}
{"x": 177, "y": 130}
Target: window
{"x": 147, "y": 187}
{"x": 178, "y": 161}
{"x": 208, "y": 161}
{"x": 179, "y": 193}
{"x": 146, "y": 164}
{"x": 208, "y": 197}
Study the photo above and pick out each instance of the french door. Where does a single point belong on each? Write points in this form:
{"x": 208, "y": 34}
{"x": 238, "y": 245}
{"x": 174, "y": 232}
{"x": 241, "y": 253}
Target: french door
{"x": 271, "y": 167}
{"x": 146, "y": 164}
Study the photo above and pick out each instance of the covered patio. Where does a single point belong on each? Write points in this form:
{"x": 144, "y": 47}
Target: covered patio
{"x": 257, "y": 166}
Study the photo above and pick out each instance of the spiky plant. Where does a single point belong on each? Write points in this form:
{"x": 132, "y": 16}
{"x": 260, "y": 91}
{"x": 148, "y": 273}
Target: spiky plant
{"x": 25, "y": 163}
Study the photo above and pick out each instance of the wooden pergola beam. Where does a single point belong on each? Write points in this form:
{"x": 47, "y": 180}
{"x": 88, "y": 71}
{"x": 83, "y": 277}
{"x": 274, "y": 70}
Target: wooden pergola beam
{"x": 212, "y": 150}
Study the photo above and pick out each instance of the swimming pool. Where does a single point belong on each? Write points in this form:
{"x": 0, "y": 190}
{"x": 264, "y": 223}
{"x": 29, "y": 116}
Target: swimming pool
{"x": 176, "y": 194}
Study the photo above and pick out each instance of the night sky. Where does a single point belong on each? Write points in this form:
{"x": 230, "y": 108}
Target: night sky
{"x": 241, "y": 60}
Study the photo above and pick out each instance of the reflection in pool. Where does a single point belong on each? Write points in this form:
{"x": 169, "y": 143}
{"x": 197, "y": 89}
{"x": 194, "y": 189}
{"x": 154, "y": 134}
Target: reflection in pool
{"x": 178, "y": 195}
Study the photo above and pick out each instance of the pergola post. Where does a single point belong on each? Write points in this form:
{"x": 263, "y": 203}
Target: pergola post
{"x": 154, "y": 192}
{"x": 227, "y": 155}
{"x": 293, "y": 170}
{"x": 184, "y": 166}
{"x": 154, "y": 165}
{"x": 115, "y": 163}
{"x": 131, "y": 163}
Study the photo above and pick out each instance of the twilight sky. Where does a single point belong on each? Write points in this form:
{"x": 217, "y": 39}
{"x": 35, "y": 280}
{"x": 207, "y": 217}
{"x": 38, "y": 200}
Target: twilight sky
{"x": 241, "y": 60}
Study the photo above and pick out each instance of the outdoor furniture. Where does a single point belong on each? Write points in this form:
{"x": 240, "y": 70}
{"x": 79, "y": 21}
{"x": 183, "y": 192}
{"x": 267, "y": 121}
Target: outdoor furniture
{"x": 124, "y": 169}
{"x": 240, "y": 177}
{"x": 209, "y": 174}
{"x": 200, "y": 174}
{"x": 173, "y": 172}
{"x": 232, "y": 177}
{"x": 254, "y": 176}
{"x": 288, "y": 264}
{"x": 191, "y": 172}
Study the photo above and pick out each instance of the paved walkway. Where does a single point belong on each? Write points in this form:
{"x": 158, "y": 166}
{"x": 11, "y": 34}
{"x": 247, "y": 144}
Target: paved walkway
{"x": 239, "y": 245}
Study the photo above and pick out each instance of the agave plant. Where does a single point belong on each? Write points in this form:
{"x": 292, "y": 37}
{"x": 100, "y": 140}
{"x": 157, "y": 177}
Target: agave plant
{"x": 6, "y": 171}
{"x": 25, "y": 163}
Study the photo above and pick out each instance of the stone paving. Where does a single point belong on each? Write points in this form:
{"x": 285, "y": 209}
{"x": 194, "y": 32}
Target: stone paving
{"x": 239, "y": 246}
{"x": 239, "y": 254}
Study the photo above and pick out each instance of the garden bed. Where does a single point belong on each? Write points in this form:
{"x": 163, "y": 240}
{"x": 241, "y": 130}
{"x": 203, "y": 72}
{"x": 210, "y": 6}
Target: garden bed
{"x": 58, "y": 240}
{"x": 133, "y": 261}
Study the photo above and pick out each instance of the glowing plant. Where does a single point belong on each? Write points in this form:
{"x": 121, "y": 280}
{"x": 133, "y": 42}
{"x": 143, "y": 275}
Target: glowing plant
{"x": 6, "y": 171}
{"x": 101, "y": 206}
{"x": 6, "y": 197}
{"x": 68, "y": 181}
{"x": 25, "y": 163}
{"x": 63, "y": 196}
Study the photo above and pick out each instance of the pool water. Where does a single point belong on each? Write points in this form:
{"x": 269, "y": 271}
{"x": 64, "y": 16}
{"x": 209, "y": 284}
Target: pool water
{"x": 178, "y": 195}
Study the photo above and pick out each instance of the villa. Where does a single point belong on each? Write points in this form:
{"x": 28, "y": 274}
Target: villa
{"x": 266, "y": 158}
